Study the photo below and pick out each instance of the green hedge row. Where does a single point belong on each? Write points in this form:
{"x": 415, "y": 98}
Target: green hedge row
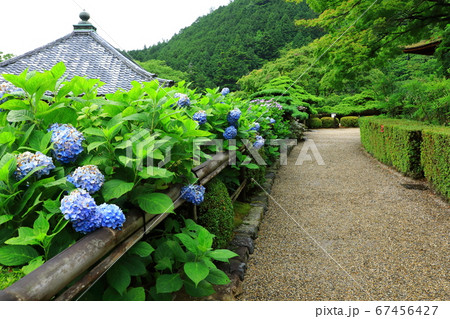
{"x": 413, "y": 148}
{"x": 435, "y": 158}
{"x": 329, "y": 122}
{"x": 350, "y": 121}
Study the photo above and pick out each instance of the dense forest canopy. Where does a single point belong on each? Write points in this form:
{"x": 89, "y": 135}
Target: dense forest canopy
{"x": 367, "y": 33}
{"x": 231, "y": 41}
{"x": 358, "y": 67}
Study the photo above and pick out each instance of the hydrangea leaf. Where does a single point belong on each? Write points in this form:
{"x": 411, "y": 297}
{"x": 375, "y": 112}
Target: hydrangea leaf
{"x": 217, "y": 277}
{"x": 196, "y": 271}
{"x": 16, "y": 255}
{"x": 155, "y": 203}
{"x": 168, "y": 283}
{"x": 115, "y": 188}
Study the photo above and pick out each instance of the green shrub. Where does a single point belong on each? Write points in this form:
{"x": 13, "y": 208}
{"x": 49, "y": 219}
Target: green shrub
{"x": 394, "y": 142}
{"x": 349, "y": 121}
{"x": 314, "y": 123}
{"x": 256, "y": 177}
{"x": 435, "y": 157}
{"x": 329, "y": 122}
{"x": 216, "y": 213}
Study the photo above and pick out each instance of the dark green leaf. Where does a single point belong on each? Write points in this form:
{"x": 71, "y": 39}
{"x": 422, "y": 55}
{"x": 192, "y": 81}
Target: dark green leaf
{"x": 134, "y": 264}
{"x": 142, "y": 249}
{"x": 16, "y": 255}
{"x": 222, "y": 254}
{"x": 203, "y": 289}
{"x": 190, "y": 243}
{"x": 155, "y": 203}
{"x": 135, "y": 294}
{"x": 119, "y": 278}
{"x": 168, "y": 283}
{"x": 164, "y": 263}
{"x": 115, "y": 188}
{"x": 217, "y": 277}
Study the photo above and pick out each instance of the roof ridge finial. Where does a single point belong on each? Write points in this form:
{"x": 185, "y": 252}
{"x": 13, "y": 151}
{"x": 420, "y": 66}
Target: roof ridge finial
{"x": 84, "y": 16}
{"x": 84, "y": 24}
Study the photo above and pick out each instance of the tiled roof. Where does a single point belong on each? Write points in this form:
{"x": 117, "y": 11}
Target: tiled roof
{"x": 84, "y": 53}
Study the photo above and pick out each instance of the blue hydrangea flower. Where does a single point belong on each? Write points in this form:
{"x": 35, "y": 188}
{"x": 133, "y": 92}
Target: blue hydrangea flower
{"x": 259, "y": 142}
{"x": 111, "y": 216}
{"x": 66, "y": 142}
{"x": 87, "y": 177}
{"x": 88, "y": 225}
{"x": 255, "y": 127}
{"x": 225, "y": 91}
{"x": 183, "y": 100}
{"x": 200, "y": 117}
{"x": 79, "y": 206}
{"x": 234, "y": 116}
{"x": 230, "y": 133}
{"x": 194, "y": 194}
{"x": 271, "y": 120}
{"x": 28, "y": 161}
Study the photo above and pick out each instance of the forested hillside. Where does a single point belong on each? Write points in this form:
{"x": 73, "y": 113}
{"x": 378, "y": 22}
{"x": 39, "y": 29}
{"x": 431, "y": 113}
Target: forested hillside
{"x": 228, "y": 43}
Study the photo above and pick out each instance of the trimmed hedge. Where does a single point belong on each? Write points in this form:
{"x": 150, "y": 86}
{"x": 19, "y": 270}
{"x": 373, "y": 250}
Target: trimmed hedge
{"x": 394, "y": 142}
{"x": 350, "y": 121}
{"x": 216, "y": 213}
{"x": 435, "y": 157}
{"x": 413, "y": 148}
{"x": 315, "y": 123}
{"x": 329, "y": 122}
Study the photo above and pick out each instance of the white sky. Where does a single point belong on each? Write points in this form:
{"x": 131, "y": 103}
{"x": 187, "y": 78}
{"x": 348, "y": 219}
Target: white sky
{"x": 125, "y": 24}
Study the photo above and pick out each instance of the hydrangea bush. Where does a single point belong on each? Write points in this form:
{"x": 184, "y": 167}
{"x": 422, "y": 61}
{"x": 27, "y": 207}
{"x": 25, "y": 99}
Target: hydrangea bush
{"x": 62, "y": 154}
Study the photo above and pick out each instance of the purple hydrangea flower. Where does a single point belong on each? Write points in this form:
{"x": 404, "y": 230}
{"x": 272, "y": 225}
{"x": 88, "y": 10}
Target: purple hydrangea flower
{"x": 80, "y": 208}
{"x": 194, "y": 194}
{"x": 200, "y": 117}
{"x": 66, "y": 142}
{"x": 259, "y": 142}
{"x": 28, "y": 161}
{"x": 87, "y": 177}
{"x": 111, "y": 216}
{"x": 183, "y": 100}
{"x": 230, "y": 133}
{"x": 234, "y": 116}
{"x": 225, "y": 91}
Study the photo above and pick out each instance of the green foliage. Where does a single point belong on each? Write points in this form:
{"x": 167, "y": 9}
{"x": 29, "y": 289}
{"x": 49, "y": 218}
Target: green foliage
{"x": 219, "y": 48}
{"x": 394, "y": 142}
{"x": 314, "y": 123}
{"x": 296, "y": 102}
{"x": 186, "y": 260}
{"x": 297, "y": 129}
{"x": 350, "y": 121}
{"x": 241, "y": 210}
{"x": 435, "y": 155}
{"x": 8, "y": 276}
{"x": 140, "y": 140}
{"x": 4, "y": 57}
{"x": 364, "y": 34}
{"x": 216, "y": 213}
{"x": 329, "y": 122}
{"x": 163, "y": 71}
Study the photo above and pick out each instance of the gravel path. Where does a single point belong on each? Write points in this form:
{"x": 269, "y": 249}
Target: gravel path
{"x": 348, "y": 230}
